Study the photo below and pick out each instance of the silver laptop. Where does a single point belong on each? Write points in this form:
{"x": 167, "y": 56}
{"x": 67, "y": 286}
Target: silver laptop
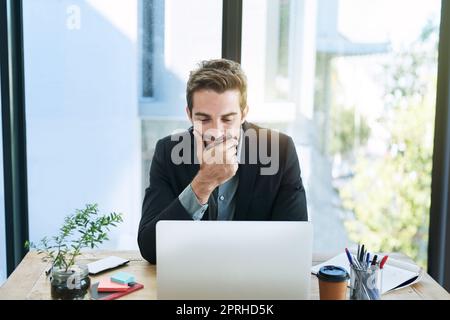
{"x": 233, "y": 260}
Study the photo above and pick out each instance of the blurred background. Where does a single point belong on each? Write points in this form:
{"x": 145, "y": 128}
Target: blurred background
{"x": 352, "y": 81}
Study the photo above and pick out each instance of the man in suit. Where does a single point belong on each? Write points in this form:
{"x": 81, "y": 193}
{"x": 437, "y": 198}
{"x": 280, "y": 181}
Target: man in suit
{"x": 223, "y": 167}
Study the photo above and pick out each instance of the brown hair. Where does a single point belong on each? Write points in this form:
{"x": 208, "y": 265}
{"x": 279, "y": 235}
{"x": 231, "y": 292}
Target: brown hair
{"x": 219, "y": 75}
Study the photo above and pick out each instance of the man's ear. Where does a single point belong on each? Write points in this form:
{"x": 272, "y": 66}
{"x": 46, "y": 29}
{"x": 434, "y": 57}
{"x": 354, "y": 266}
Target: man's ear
{"x": 189, "y": 114}
{"x": 244, "y": 114}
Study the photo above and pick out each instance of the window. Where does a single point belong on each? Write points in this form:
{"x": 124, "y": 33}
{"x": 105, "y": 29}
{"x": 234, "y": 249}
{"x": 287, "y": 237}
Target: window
{"x": 104, "y": 81}
{"x": 180, "y": 42}
{"x": 278, "y": 56}
{"x": 83, "y": 133}
{"x": 353, "y": 82}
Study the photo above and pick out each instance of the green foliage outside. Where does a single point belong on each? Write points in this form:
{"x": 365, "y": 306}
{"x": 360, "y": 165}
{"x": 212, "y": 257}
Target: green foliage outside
{"x": 390, "y": 195}
{"x": 349, "y": 130}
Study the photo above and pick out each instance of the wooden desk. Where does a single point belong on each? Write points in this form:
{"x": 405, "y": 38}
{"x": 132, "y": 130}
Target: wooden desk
{"x": 28, "y": 281}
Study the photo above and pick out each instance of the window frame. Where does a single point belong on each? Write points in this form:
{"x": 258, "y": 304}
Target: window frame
{"x": 14, "y": 132}
{"x": 439, "y": 229}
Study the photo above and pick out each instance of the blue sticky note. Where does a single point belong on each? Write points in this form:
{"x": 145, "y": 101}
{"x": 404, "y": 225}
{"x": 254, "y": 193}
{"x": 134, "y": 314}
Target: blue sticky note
{"x": 122, "y": 277}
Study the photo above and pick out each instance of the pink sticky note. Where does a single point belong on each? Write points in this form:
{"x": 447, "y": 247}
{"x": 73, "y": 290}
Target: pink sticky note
{"x": 106, "y": 285}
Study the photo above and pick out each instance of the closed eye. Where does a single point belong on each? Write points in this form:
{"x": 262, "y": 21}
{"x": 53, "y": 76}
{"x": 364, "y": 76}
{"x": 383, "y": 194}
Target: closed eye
{"x": 228, "y": 119}
{"x": 204, "y": 119}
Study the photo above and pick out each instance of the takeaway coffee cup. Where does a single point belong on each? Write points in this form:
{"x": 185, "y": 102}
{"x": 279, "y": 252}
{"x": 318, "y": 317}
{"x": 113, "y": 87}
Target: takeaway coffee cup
{"x": 333, "y": 283}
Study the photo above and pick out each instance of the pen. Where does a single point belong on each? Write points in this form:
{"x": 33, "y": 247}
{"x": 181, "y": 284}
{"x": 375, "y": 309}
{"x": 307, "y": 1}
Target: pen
{"x": 383, "y": 261}
{"x": 374, "y": 261}
{"x": 349, "y": 256}
{"x": 361, "y": 257}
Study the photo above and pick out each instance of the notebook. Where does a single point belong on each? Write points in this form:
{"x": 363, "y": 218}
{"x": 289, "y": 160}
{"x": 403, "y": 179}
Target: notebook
{"x": 96, "y": 295}
{"x": 396, "y": 274}
{"x": 107, "y": 285}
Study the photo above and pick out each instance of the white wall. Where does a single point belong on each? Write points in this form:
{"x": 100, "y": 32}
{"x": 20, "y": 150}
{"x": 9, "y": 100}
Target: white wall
{"x": 83, "y": 139}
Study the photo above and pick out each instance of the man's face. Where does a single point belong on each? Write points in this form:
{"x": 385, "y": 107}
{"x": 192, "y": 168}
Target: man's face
{"x": 216, "y": 114}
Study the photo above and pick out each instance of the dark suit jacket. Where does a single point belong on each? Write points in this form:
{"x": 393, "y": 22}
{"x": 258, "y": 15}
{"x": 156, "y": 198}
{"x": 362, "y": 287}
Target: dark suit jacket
{"x": 259, "y": 197}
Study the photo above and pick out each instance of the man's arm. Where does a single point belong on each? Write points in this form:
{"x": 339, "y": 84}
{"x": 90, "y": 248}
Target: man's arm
{"x": 290, "y": 202}
{"x": 160, "y": 203}
{"x": 192, "y": 205}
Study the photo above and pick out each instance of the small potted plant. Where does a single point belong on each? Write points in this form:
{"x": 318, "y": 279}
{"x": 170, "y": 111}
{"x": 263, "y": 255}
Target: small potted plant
{"x": 84, "y": 229}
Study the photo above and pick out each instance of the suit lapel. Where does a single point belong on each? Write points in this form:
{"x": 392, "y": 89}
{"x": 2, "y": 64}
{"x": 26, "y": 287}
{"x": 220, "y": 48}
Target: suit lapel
{"x": 247, "y": 175}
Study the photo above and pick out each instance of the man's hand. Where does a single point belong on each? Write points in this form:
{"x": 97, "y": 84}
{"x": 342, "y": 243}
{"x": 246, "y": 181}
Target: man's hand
{"x": 218, "y": 164}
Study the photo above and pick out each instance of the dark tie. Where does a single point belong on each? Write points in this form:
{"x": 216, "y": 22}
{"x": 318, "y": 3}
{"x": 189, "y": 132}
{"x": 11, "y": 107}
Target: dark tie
{"x": 212, "y": 204}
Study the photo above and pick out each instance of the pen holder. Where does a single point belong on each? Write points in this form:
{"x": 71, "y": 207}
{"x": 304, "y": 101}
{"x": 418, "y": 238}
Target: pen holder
{"x": 365, "y": 284}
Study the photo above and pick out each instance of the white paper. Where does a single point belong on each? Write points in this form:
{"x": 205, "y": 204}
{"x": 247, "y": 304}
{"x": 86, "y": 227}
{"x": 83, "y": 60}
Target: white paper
{"x": 394, "y": 274}
{"x": 105, "y": 264}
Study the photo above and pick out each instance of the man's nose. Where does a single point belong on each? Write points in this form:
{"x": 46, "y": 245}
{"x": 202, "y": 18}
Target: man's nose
{"x": 214, "y": 133}
{"x": 219, "y": 127}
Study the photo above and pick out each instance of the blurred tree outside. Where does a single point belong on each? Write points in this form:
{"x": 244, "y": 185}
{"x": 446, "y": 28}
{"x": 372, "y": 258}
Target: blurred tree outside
{"x": 349, "y": 130}
{"x": 389, "y": 195}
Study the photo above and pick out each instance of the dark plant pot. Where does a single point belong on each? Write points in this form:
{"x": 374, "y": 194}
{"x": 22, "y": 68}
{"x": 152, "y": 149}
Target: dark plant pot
{"x": 72, "y": 284}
